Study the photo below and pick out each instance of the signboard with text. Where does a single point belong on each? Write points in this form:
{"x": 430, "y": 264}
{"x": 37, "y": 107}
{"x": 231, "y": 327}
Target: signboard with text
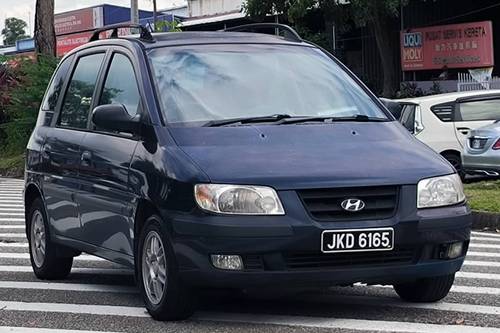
{"x": 78, "y": 20}
{"x": 66, "y": 43}
{"x": 467, "y": 45}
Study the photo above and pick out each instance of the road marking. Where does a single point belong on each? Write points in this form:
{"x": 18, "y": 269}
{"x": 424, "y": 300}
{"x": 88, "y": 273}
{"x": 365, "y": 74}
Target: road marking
{"x": 12, "y": 219}
{"x": 483, "y": 254}
{"x": 298, "y": 321}
{"x": 11, "y": 329}
{"x": 109, "y": 310}
{"x": 482, "y": 263}
{"x": 475, "y": 290}
{"x": 474, "y": 275}
{"x": 27, "y": 256}
{"x": 68, "y": 287}
{"x": 16, "y": 202}
{"x": 17, "y": 206}
{"x": 4, "y": 244}
{"x": 379, "y": 301}
{"x": 103, "y": 271}
{"x": 17, "y": 226}
{"x": 343, "y": 324}
{"x": 455, "y": 289}
{"x": 486, "y": 239}
{"x": 486, "y": 234}
{"x": 484, "y": 246}
{"x": 5, "y": 214}
{"x": 13, "y": 235}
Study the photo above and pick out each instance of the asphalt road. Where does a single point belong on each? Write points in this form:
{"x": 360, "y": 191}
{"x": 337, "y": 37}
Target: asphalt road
{"x": 101, "y": 296}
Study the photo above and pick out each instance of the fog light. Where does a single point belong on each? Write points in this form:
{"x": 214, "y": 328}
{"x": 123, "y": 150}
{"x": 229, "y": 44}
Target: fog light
{"x": 221, "y": 261}
{"x": 452, "y": 250}
{"x": 455, "y": 250}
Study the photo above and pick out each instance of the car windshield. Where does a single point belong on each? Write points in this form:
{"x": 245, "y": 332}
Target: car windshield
{"x": 203, "y": 83}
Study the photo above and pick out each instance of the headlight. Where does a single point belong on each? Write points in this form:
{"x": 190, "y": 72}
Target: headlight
{"x": 238, "y": 199}
{"x": 440, "y": 191}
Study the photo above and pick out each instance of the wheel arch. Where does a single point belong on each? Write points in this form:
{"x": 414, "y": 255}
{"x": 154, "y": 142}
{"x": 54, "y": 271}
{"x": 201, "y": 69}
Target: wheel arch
{"x": 31, "y": 193}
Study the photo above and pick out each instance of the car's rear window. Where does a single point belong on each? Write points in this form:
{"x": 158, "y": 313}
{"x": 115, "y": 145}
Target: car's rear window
{"x": 198, "y": 84}
{"x": 480, "y": 110}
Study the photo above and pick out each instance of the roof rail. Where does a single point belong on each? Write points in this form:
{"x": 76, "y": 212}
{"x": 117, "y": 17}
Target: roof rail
{"x": 289, "y": 32}
{"x": 145, "y": 35}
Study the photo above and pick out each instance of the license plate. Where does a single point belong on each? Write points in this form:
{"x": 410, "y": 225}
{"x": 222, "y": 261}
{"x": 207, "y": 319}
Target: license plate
{"x": 357, "y": 240}
{"x": 476, "y": 144}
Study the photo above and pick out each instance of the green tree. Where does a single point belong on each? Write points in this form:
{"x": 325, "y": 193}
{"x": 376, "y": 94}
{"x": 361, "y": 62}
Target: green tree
{"x": 14, "y": 30}
{"x": 376, "y": 14}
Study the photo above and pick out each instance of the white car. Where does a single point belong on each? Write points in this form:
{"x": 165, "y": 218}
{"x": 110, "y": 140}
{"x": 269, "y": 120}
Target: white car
{"x": 444, "y": 121}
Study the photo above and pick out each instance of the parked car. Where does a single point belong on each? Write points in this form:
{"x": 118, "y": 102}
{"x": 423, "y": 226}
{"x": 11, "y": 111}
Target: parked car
{"x": 482, "y": 151}
{"x": 444, "y": 121}
{"x": 234, "y": 160}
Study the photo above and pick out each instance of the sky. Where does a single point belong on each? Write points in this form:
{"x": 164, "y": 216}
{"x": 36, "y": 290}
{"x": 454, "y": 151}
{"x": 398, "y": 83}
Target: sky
{"x": 25, "y": 9}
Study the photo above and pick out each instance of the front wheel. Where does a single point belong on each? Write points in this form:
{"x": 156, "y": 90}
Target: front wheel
{"x": 165, "y": 297}
{"x": 430, "y": 289}
{"x": 456, "y": 161}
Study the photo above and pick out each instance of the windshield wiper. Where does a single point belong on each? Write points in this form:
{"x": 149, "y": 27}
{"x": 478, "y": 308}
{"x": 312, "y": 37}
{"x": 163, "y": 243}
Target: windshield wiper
{"x": 357, "y": 118}
{"x": 247, "y": 120}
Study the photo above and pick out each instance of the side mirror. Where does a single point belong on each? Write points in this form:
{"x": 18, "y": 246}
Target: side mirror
{"x": 115, "y": 118}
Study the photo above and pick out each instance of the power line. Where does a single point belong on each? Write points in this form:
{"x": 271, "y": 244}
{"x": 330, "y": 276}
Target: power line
{"x": 465, "y": 14}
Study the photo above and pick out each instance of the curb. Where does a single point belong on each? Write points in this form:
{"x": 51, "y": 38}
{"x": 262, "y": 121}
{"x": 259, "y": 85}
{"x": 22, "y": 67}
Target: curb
{"x": 482, "y": 220}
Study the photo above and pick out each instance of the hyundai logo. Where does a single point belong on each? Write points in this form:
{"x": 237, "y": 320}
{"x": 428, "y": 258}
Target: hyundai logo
{"x": 352, "y": 205}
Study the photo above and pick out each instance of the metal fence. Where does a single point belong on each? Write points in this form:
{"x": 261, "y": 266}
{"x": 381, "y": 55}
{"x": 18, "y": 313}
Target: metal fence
{"x": 467, "y": 83}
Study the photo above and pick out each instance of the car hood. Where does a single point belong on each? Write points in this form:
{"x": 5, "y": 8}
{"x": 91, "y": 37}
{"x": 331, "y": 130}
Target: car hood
{"x": 307, "y": 156}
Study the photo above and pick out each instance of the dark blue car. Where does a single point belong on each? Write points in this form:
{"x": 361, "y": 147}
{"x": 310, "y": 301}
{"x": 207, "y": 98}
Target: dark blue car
{"x": 235, "y": 160}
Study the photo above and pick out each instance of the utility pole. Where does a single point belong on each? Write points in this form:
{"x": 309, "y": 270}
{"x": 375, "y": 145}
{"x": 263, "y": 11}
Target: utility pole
{"x": 134, "y": 11}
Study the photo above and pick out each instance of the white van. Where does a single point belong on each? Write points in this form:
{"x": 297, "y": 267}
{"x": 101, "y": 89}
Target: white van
{"x": 444, "y": 121}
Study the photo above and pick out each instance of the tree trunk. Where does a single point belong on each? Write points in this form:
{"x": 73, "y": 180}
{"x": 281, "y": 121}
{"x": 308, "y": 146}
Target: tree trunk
{"x": 45, "y": 36}
{"x": 385, "y": 45}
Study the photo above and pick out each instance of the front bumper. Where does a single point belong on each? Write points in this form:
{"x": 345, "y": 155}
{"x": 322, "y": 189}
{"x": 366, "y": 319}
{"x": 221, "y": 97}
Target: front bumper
{"x": 285, "y": 251}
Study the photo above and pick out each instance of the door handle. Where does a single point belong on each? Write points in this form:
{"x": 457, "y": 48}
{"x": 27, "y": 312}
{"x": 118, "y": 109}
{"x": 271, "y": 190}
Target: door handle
{"x": 86, "y": 158}
{"x": 463, "y": 130}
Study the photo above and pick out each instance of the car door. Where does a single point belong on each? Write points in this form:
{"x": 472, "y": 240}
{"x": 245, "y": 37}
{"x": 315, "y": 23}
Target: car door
{"x": 473, "y": 113}
{"x": 105, "y": 199}
{"x": 61, "y": 149}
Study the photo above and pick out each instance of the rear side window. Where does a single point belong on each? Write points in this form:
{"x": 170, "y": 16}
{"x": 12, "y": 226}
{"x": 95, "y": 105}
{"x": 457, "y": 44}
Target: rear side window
{"x": 480, "y": 110}
{"x": 54, "y": 91}
{"x": 444, "y": 112}
{"x": 78, "y": 99}
{"x": 121, "y": 85}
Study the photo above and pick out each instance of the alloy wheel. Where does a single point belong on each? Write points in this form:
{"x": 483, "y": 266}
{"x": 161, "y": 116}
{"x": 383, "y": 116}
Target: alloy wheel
{"x": 154, "y": 267}
{"x": 38, "y": 238}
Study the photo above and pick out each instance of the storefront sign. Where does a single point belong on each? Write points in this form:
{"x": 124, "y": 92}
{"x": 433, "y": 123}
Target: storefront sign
{"x": 78, "y": 20}
{"x": 468, "y": 45}
{"x": 67, "y": 43}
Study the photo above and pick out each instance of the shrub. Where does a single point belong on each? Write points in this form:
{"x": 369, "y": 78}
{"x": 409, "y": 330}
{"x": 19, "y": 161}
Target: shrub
{"x": 23, "y": 81}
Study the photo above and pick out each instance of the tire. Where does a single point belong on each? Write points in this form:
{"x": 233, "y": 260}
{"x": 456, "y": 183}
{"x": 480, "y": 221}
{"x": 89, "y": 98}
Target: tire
{"x": 47, "y": 265}
{"x": 165, "y": 296}
{"x": 425, "y": 290}
{"x": 456, "y": 161}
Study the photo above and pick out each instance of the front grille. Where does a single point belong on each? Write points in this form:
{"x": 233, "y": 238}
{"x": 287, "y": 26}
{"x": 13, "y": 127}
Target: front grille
{"x": 325, "y": 204}
{"x": 336, "y": 260}
{"x": 477, "y": 142}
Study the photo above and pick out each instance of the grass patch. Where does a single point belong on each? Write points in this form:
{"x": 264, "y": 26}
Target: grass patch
{"x": 484, "y": 196}
{"x": 12, "y": 166}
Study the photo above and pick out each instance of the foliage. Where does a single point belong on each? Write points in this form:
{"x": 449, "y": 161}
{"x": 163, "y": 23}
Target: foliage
{"x": 435, "y": 89}
{"x": 409, "y": 89}
{"x": 14, "y": 30}
{"x": 484, "y": 196}
{"x": 163, "y": 25}
{"x": 28, "y": 80}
